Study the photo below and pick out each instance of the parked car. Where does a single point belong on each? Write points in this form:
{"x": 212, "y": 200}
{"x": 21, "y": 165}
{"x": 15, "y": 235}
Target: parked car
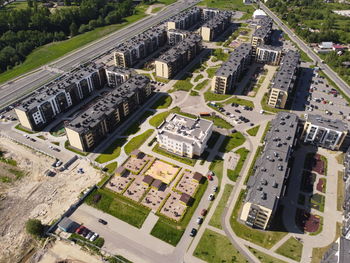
{"x": 215, "y": 188}
{"x": 85, "y": 232}
{"x": 80, "y": 229}
{"x": 103, "y": 222}
{"x": 211, "y": 197}
{"x": 93, "y": 237}
{"x": 193, "y": 232}
{"x": 199, "y": 220}
{"x": 210, "y": 178}
{"x": 89, "y": 235}
{"x": 204, "y": 212}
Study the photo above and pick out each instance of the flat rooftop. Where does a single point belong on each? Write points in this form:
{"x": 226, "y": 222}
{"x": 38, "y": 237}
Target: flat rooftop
{"x": 104, "y": 106}
{"x": 234, "y": 62}
{"x": 264, "y": 27}
{"x": 269, "y": 47}
{"x": 286, "y": 72}
{"x": 266, "y": 185}
{"x": 186, "y": 129}
{"x": 218, "y": 19}
{"x": 332, "y": 124}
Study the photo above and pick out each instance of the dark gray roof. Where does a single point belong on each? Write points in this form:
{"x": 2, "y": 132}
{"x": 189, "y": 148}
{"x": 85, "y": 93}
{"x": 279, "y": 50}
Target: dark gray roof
{"x": 263, "y": 28}
{"x": 182, "y": 47}
{"x": 184, "y": 15}
{"x": 107, "y": 104}
{"x": 269, "y": 47}
{"x": 271, "y": 168}
{"x": 233, "y": 63}
{"x": 286, "y": 72}
{"x": 218, "y": 19}
{"x": 332, "y": 124}
{"x": 344, "y": 250}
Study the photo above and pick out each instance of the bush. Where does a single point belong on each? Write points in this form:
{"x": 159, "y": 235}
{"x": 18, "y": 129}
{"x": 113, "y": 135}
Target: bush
{"x": 35, "y": 228}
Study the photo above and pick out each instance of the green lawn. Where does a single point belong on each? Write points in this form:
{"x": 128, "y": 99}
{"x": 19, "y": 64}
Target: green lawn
{"x": 231, "y": 5}
{"x": 215, "y": 220}
{"x": 21, "y": 128}
{"x": 253, "y": 131}
{"x": 264, "y": 258}
{"x": 135, "y": 126}
{"x": 340, "y": 191}
{"x": 262, "y": 238}
{"x": 234, "y": 174}
{"x": 266, "y": 107}
{"x": 210, "y": 96}
{"x": 219, "y": 54}
{"x": 112, "y": 151}
{"x": 137, "y": 141}
{"x": 194, "y": 93}
{"x": 162, "y": 103}
{"x": 111, "y": 167}
{"x": 292, "y": 249}
{"x": 15, "y": 6}
{"x": 211, "y": 72}
{"x": 251, "y": 168}
{"x": 239, "y": 101}
{"x": 53, "y": 51}
{"x": 118, "y": 206}
{"x": 232, "y": 141}
{"x": 219, "y": 122}
{"x": 156, "y": 9}
{"x": 178, "y": 158}
{"x": 217, "y": 166}
{"x": 201, "y": 85}
{"x": 70, "y": 148}
{"x": 216, "y": 248}
{"x": 198, "y": 77}
{"x": 184, "y": 85}
{"x": 157, "y": 120}
{"x": 171, "y": 231}
{"x": 213, "y": 139}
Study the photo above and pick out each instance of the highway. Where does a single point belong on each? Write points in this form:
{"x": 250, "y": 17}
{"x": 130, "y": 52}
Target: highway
{"x": 29, "y": 82}
{"x": 304, "y": 47}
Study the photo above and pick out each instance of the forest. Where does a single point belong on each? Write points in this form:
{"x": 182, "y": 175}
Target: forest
{"x": 23, "y": 30}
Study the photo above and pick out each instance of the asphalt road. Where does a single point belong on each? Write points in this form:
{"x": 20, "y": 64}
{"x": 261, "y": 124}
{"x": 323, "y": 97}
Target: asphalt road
{"x": 304, "y": 47}
{"x": 22, "y": 85}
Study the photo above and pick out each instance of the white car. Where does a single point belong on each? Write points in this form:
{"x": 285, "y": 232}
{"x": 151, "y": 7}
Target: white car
{"x": 94, "y": 236}
{"x": 211, "y": 197}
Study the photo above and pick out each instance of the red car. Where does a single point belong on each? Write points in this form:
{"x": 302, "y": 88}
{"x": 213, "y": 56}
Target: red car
{"x": 204, "y": 212}
{"x": 80, "y": 229}
{"x": 210, "y": 178}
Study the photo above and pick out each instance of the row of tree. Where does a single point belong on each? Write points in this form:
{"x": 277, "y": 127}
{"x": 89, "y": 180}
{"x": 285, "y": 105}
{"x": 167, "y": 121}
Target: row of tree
{"x": 23, "y": 30}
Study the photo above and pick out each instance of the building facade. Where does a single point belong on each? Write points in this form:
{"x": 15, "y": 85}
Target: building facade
{"x": 284, "y": 80}
{"x": 139, "y": 47}
{"x": 184, "y": 136}
{"x": 185, "y": 20}
{"x": 326, "y": 133}
{"x": 176, "y": 58}
{"x": 271, "y": 171}
{"x": 268, "y": 54}
{"x": 215, "y": 26}
{"x": 90, "y": 127}
{"x": 262, "y": 33}
{"x": 40, "y": 108}
{"x": 230, "y": 71}
{"x": 175, "y": 36}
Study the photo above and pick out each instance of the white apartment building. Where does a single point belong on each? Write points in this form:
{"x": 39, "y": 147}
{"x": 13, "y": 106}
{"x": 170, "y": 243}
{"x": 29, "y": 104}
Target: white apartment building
{"x": 184, "y": 136}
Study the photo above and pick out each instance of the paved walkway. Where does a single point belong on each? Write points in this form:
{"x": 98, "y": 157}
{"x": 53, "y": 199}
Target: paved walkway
{"x": 149, "y": 223}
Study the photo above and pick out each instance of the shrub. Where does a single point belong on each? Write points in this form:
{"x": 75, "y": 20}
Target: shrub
{"x": 35, "y": 228}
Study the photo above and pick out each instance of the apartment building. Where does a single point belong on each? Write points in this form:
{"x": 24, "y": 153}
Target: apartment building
{"x": 215, "y": 26}
{"x": 91, "y": 126}
{"x": 262, "y": 33}
{"x": 176, "y": 58}
{"x": 209, "y": 13}
{"x": 184, "y": 136}
{"x": 117, "y": 75}
{"x": 230, "y": 71}
{"x": 271, "y": 171}
{"x": 140, "y": 46}
{"x": 323, "y": 132}
{"x": 185, "y": 20}
{"x": 42, "y": 106}
{"x": 284, "y": 80}
{"x": 175, "y": 36}
{"x": 268, "y": 54}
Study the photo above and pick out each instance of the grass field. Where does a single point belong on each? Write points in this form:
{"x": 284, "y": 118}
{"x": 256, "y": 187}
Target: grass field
{"x": 137, "y": 141}
{"x": 216, "y": 248}
{"x": 118, "y": 206}
{"x": 157, "y": 120}
{"x": 219, "y": 122}
{"x": 292, "y": 249}
{"x": 210, "y": 96}
{"x": 53, "y": 51}
{"x": 135, "y": 125}
{"x": 340, "y": 191}
{"x": 239, "y": 101}
{"x": 215, "y": 220}
{"x": 264, "y": 258}
{"x": 178, "y": 158}
{"x": 243, "y": 153}
{"x": 162, "y": 103}
{"x": 111, "y": 167}
{"x": 170, "y": 231}
{"x": 232, "y": 141}
{"x": 112, "y": 152}
{"x": 253, "y": 131}
{"x": 211, "y": 72}
{"x": 201, "y": 85}
{"x": 231, "y": 5}
{"x": 217, "y": 166}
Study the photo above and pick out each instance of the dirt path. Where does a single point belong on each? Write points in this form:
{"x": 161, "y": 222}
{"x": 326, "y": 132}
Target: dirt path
{"x": 36, "y": 196}
{"x": 151, "y": 7}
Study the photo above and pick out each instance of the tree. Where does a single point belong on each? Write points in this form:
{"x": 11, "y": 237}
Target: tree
{"x": 30, "y": 3}
{"x": 73, "y": 29}
{"x": 67, "y": 2}
{"x": 35, "y": 228}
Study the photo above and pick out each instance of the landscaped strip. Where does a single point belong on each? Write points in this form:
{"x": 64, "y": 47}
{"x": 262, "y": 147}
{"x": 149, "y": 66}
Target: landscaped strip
{"x": 118, "y": 206}
{"x": 234, "y": 174}
{"x": 216, "y": 248}
{"x": 292, "y": 249}
{"x": 232, "y": 141}
{"x": 253, "y": 131}
{"x": 137, "y": 141}
{"x": 215, "y": 220}
{"x": 188, "y": 161}
{"x": 112, "y": 152}
{"x": 251, "y": 168}
{"x": 267, "y": 128}
{"x": 264, "y": 258}
{"x": 217, "y": 166}
{"x": 162, "y": 103}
